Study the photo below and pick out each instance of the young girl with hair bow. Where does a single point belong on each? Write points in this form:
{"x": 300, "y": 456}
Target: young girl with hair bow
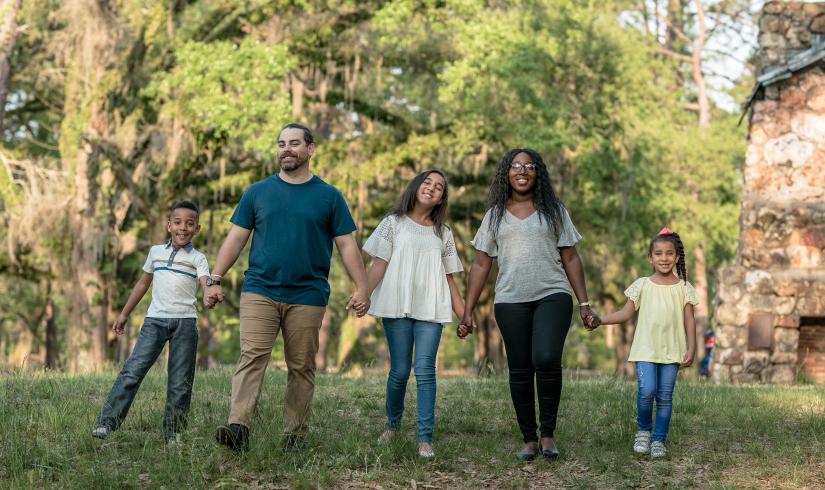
{"x": 665, "y": 336}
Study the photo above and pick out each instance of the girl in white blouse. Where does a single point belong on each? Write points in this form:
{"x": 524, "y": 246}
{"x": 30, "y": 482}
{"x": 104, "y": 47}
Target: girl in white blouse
{"x": 414, "y": 294}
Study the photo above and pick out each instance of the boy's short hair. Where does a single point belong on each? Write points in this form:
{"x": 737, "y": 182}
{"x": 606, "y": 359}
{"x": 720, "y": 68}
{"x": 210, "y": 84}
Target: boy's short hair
{"x": 185, "y": 205}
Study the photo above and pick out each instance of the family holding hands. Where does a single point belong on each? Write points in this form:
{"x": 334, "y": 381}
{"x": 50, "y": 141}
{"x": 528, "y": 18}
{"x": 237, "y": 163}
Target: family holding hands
{"x": 409, "y": 285}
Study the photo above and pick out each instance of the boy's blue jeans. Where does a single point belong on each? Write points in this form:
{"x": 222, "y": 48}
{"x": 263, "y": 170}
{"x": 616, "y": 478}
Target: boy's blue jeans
{"x": 402, "y": 334}
{"x": 655, "y": 381}
{"x": 182, "y": 335}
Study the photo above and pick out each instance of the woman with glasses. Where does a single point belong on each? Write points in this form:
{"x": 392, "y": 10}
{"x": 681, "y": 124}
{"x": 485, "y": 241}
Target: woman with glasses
{"x": 529, "y": 231}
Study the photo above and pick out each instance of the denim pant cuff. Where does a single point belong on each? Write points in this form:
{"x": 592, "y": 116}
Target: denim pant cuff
{"x": 393, "y": 425}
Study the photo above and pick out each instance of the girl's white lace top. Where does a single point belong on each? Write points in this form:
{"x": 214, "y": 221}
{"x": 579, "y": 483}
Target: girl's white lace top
{"x": 415, "y": 282}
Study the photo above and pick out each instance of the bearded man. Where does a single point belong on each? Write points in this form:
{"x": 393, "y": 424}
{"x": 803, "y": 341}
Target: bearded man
{"x": 295, "y": 216}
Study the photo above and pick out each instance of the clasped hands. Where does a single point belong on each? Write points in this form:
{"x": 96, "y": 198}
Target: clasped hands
{"x": 590, "y": 319}
{"x": 358, "y": 301}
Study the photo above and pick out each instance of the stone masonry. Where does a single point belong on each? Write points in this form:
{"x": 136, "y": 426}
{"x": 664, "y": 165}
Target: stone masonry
{"x": 776, "y": 287}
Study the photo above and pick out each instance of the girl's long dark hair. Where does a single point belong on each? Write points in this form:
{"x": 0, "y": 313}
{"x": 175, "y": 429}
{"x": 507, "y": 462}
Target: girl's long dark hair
{"x": 672, "y": 237}
{"x": 407, "y": 201}
{"x": 547, "y": 202}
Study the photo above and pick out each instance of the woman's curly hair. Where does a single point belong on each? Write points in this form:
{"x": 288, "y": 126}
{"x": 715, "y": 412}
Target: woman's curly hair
{"x": 547, "y": 202}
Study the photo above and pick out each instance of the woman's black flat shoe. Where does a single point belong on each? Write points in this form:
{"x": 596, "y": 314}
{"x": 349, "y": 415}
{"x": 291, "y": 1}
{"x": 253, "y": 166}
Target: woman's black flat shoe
{"x": 550, "y": 453}
{"x": 525, "y": 456}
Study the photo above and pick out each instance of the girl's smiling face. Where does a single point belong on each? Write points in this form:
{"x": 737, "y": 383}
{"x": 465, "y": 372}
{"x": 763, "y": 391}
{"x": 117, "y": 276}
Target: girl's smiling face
{"x": 663, "y": 257}
{"x": 431, "y": 191}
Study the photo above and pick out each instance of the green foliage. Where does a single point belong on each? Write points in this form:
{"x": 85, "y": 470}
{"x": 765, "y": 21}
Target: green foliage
{"x": 191, "y": 100}
{"x": 235, "y": 91}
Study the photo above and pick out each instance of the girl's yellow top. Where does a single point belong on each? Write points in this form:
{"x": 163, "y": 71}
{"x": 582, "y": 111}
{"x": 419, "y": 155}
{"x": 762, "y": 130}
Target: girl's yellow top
{"x": 660, "y": 328}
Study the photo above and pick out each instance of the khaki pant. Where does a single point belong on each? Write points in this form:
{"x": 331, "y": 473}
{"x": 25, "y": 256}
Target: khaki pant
{"x": 261, "y": 318}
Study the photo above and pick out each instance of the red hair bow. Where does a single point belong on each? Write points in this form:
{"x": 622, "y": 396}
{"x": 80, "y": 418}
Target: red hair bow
{"x": 665, "y": 231}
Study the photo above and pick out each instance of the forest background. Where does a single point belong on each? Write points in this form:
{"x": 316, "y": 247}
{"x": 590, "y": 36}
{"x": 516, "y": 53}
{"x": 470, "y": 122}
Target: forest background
{"x": 111, "y": 110}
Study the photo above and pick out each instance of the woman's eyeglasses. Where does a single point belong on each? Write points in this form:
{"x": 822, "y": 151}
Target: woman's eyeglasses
{"x": 530, "y": 167}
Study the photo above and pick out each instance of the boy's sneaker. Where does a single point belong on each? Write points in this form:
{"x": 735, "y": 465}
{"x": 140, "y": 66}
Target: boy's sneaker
{"x": 101, "y": 432}
{"x": 174, "y": 440}
{"x": 658, "y": 450}
{"x": 233, "y": 436}
{"x": 641, "y": 443}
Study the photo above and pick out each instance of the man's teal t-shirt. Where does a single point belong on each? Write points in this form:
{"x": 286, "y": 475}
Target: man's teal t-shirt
{"x": 293, "y": 229}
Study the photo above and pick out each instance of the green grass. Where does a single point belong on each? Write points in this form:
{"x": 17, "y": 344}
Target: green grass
{"x": 721, "y": 437}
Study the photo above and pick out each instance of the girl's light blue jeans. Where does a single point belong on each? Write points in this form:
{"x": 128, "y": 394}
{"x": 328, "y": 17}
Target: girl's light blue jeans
{"x": 402, "y": 335}
{"x": 655, "y": 381}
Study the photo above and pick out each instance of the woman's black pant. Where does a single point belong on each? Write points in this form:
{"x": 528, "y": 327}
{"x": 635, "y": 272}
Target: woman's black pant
{"x": 534, "y": 334}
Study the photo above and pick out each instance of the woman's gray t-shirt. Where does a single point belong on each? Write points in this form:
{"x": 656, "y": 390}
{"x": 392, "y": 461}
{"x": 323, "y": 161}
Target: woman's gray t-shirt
{"x": 529, "y": 263}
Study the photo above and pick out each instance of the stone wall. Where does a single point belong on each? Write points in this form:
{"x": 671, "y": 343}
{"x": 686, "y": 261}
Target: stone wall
{"x": 786, "y": 28}
{"x": 779, "y": 275}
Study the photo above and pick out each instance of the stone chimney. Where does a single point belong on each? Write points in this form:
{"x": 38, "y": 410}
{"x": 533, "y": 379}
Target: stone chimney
{"x": 769, "y": 315}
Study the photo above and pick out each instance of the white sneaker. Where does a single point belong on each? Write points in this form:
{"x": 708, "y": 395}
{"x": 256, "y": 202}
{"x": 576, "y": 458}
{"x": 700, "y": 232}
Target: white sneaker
{"x": 641, "y": 443}
{"x": 425, "y": 450}
{"x": 101, "y": 432}
{"x": 658, "y": 450}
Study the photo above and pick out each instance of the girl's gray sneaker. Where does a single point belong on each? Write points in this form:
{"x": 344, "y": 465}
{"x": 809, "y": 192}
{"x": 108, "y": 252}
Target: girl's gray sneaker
{"x": 641, "y": 443}
{"x": 658, "y": 450}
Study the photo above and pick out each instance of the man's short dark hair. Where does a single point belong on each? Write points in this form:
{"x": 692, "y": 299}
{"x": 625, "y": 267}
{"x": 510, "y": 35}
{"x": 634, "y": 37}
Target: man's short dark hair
{"x": 308, "y": 138}
{"x": 185, "y": 205}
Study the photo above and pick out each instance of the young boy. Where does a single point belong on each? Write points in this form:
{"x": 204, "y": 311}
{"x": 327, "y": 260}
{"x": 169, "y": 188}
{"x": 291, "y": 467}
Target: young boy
{"x": 171, "y": 317}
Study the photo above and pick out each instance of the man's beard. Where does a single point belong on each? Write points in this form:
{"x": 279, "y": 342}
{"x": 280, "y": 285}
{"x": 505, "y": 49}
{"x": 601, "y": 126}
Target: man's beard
{"x": 293, "y": 164}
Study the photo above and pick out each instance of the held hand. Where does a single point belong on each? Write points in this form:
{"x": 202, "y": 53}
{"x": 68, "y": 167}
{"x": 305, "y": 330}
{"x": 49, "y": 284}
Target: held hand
{"x": 688, "y": 360}
{"x": 119, "y": 325}
{"x": 592, "y": 322}
{"x": 360, "y": 302}
{"x": 587, "y": 314}
{"x": 463, "y": 330}
{"x": 465, "y": 327}
{"x": 212, "y": 296}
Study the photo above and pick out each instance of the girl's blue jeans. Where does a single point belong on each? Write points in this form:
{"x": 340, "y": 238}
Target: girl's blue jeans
{"x": 402, "y": 335}
{"x": 656, "y": 381}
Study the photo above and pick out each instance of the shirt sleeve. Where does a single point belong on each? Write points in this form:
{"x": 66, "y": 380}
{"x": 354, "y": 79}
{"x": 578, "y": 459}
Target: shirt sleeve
{"x": 449, "y": 255}
{"x": 341, "y": 223}
{"x": 484, "y": 240}
{"x": 380, "y": 243}
{"x": 634, "y": 292}
{"x": 244, "y": 215}
{"x": 202, "y": 265}
{"x": 149, "y": 265}
{"x": 690, "y": 295}
{"x": 568, "y": 234}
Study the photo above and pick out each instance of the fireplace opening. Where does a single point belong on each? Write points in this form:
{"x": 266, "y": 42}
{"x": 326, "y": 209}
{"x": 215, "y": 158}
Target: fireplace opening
{"x": 812, "y": 348}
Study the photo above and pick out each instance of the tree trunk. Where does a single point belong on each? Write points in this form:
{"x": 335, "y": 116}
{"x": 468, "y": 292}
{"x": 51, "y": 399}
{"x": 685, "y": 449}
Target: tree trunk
{"x": 696, "y": 67}
{"x": 8, "y": 37}
{"x": 90, "y": 42}
{"x": 323, "y": 342}
{"x": 489, "y": 349}
{"x": 205, "y": 340}
{"x": 51, "y": 329}
{"x": 23, "y": 346}
{"x": 700, "y": 313}
{"x": 624, "y": 340}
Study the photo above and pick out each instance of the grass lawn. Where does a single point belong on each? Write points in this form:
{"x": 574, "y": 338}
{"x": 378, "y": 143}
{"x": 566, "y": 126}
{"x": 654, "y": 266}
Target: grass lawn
{"x": 721, "y": 436}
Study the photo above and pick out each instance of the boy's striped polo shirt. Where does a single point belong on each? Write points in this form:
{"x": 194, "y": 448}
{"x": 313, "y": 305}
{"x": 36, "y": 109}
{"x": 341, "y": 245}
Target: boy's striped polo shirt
{"x": 175, "y": 282}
